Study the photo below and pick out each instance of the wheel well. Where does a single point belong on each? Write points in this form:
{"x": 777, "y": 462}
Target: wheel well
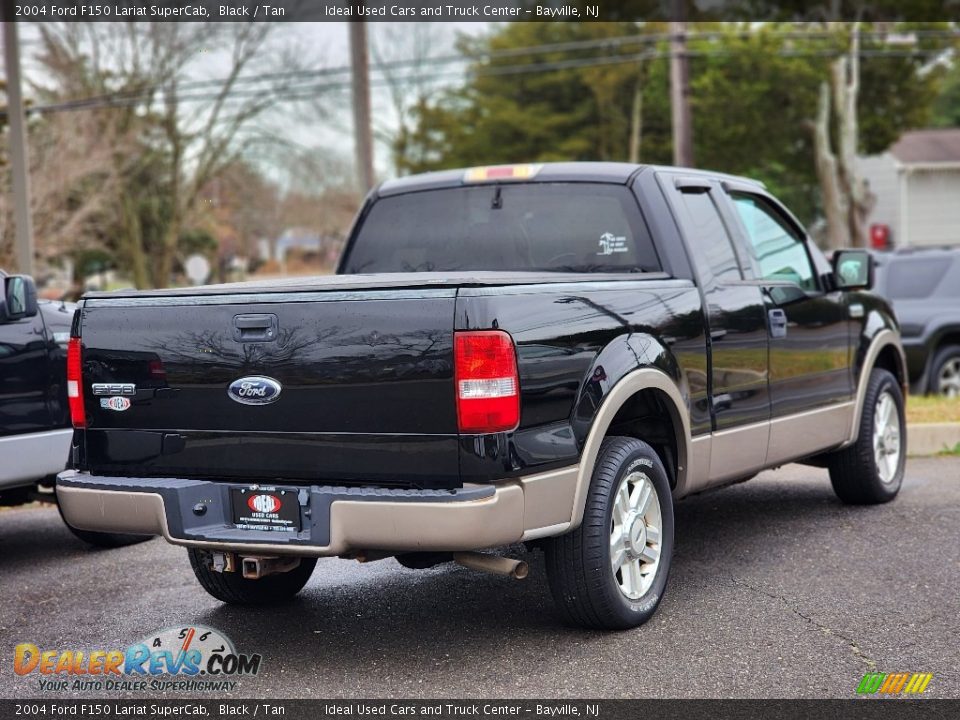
{"x": 647, "y": 416}
{"x": 951, "y": 338}
{"x": 888, "y": 359}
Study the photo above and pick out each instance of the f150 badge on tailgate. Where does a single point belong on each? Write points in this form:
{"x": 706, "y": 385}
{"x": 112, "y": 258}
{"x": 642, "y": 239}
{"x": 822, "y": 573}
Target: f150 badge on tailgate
{"x": 254, "y": 390}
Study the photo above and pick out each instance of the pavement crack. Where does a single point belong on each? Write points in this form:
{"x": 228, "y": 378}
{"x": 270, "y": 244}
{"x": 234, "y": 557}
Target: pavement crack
{"x": 825, "y": 629}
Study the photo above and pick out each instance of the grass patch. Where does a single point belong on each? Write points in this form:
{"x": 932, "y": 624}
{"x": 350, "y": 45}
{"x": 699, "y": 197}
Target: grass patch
{"x": 932, "y": 409}
{"x": 954, "y": 452}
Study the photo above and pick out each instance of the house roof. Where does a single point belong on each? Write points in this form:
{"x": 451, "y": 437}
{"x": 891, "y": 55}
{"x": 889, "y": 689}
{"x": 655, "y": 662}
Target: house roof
{"x": 928, "y": 146}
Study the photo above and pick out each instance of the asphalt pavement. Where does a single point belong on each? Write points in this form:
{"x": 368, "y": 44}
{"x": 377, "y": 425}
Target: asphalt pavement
{"x": 777, "y": 590}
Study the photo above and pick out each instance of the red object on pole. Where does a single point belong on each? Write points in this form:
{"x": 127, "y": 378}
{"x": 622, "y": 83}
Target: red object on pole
{"x": 880, "y": 236}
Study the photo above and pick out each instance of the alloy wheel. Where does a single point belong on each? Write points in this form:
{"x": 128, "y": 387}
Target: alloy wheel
{"x": 636, "y": 529}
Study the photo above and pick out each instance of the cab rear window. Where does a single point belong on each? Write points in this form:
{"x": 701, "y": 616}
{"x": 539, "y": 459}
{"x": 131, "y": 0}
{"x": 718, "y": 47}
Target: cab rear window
{"x": 562, "y": 227}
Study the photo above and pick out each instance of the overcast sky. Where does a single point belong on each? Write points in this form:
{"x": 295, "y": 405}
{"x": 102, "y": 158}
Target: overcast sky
{"x": 322, "y": 45}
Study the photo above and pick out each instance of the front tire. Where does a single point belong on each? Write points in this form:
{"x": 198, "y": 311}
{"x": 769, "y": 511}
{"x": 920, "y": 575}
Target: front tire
{"x": 871, "y": 470}
{"x": 611, "y": 572}
{"x": 234, "y": 589}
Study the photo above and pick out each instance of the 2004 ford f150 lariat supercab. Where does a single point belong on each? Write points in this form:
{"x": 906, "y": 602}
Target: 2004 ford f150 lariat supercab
{"x": 541, "y": 354}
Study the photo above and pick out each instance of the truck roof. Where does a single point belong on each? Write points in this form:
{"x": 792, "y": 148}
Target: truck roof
{"x": 599, "y": 172}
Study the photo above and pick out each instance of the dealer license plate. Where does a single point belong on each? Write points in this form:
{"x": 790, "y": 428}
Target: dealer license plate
{"x": 263, "y": 507}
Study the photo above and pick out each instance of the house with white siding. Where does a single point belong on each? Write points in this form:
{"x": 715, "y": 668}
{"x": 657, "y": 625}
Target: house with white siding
{"x": 917, "y": 188}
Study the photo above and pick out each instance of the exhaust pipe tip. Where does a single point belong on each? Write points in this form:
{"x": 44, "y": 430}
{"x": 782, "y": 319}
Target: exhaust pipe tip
{"x": 521, "y": 570}
{"x": 493, "y": 564}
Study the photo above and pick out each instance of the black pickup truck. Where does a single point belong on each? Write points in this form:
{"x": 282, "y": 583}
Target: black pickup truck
{"x": 541, "y": 354}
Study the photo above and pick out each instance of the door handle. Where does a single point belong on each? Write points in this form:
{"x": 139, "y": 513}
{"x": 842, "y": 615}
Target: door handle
{"x": 255, "y": 328}
{"x": 778, "y": 323}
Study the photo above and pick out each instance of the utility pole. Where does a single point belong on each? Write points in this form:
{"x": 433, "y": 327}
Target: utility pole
{"x": 680, "y": 87}
{"x": 18, "y": 144}
{"x": 636, "y": 118}
{"x": 363, "y": 135}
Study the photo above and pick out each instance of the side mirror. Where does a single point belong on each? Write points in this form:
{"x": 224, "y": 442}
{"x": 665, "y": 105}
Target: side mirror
{"x": 19, "y": 298}
{"x": 853, "y": 269}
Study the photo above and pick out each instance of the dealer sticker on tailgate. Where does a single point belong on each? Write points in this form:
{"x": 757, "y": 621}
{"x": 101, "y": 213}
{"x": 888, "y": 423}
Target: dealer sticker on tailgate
{"x": 266, "y": 508}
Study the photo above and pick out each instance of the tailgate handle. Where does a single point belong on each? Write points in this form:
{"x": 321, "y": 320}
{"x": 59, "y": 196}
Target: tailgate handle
{"x": 255, "y": 328}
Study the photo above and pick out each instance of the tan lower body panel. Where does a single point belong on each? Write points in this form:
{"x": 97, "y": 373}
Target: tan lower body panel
{"x": 738, "y": 452}
{"x": 728, "y": 455}
{"x": 809, "y": 432}
{"x": 535, "y": 506}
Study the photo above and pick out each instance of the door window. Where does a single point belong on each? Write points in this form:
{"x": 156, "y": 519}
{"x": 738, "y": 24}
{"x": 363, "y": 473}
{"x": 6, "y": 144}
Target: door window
{"x": 779, "y": 252}
{"x": 710, "y": 245}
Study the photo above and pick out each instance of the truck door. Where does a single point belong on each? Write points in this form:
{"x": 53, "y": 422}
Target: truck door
{"x": 24, "y": 374}
{"x": 810, "y": 381}
{"x": 737, "y": 330}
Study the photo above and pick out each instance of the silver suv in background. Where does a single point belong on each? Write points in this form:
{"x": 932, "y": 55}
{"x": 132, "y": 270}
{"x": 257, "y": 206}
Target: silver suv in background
{"x": 923, "y": 284}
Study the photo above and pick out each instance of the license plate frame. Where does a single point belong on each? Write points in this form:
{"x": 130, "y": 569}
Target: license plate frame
{"x": 265, "y": 508}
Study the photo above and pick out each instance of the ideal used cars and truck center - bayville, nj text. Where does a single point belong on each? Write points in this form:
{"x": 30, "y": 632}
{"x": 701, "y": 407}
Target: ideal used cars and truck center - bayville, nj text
{"x": 210, "y": 11}
{"x": 539, "y": 354}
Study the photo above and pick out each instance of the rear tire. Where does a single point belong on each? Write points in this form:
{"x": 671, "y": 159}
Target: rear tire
{"x": 871, "y": 470}
{"x": 103, "y": 539}
{"x": 945, "y": 372}
{"x": 610, "y": 573}
{"x": 233, "y": 588}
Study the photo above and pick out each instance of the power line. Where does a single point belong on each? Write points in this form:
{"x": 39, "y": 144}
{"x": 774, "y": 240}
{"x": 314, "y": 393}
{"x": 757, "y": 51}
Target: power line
{"x": 307, "y": 87}
{"x": 490, "y": 55}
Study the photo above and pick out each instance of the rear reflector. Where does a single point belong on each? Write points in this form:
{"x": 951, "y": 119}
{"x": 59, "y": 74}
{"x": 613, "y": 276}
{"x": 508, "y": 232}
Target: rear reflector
{"x": 75, "y": 384}
{"x": 488, "y": 389}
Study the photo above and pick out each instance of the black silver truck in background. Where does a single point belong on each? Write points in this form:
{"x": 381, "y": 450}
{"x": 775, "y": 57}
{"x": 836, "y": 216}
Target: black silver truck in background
{"x": 35, "y": 430}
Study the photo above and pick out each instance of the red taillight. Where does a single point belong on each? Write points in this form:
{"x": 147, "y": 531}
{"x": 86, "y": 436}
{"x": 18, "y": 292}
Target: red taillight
{"x": 157, "y": 372}
{"x": 488, "y": 389}
{"x": 75, "y": 384}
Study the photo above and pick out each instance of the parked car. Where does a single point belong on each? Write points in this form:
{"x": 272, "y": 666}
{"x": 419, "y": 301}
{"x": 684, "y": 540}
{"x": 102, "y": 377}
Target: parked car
{"x": 923, "y": 285}
{"x": 35, "y": 429}
{"x": 541, "y": 354}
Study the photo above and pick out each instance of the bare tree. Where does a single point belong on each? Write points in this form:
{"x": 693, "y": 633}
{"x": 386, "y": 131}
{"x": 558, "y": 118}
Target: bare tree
{"x": 847, "y": 200}
{"x": 203, "y": 143}
{"x": 146, "y": 82}
{"x": 401, "y": 55}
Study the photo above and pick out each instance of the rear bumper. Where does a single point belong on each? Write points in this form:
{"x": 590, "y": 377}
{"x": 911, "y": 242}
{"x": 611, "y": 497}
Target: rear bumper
{"x": 335, "y": 520}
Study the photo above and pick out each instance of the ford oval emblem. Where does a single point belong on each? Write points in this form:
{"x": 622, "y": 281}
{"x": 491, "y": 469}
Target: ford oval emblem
{"x": 254, "y": 390}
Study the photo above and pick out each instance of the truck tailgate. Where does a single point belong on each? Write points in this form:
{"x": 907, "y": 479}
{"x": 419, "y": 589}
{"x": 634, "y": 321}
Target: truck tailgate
{"x": 366, "y": 387}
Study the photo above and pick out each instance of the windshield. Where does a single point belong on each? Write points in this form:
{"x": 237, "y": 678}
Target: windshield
{"x": 562, "y": 227}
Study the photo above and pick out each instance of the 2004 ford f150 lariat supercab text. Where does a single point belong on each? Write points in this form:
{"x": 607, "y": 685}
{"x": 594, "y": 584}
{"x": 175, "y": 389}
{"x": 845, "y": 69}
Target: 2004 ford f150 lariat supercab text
{"x": 541, "y": 354}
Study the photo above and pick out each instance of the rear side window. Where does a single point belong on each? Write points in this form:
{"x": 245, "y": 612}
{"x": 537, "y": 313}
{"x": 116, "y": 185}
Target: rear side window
{"x": 563, "y": 227}
{"x": 709, "y": 242}
{"x": 913, "y": 278}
